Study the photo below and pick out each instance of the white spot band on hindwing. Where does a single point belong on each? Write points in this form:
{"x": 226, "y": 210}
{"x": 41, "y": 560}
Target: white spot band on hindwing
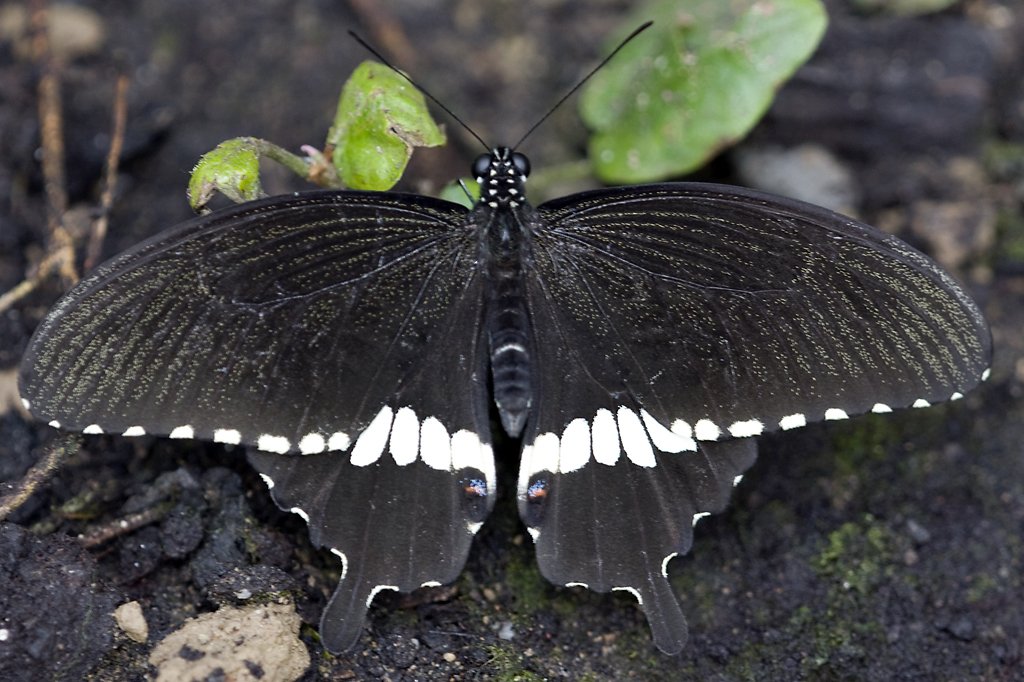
{"x": 407, "y": 438}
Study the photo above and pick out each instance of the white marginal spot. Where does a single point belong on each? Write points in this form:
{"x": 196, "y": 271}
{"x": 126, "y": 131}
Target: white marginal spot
{"x": 663, "y": 439}
{"x": 268, "y": 481}
{"x": 92, "y": 429}
{"x": 957, "y": 395}
{"x": 26, "y": 404}
{"x": 229, "y": 436}
{"x": 834, "y": 413}
{"x": 705, "y": 429}
{"x": 55, "y": 424}
{"x": 792, "y": 421}
{"x": 605, "y": 438}
{"x": 921, "y": 402}
{"x": 344, "y": 561}
{"x": 312, "y": 443}
{"x": 184, "y": 431}
{"x": 377, "y": 590}
{"x": 736, "y": 480}
{"x": 633, "y": 591}
{"x": 435, "y": 445}
{"x": 134, "y": 431}
{"x": 746, "y": 429}
{"x": 576, "y": 583}
{"x": 271, "y": 443}
{"x": 534, "y": 533}
{"x": 431, "y": 583}
{"x": 372, "y": 440}
{"x": 986, "y": 374}
{"x": 304, "y": 515}
{"x": 699, "y": 515}
{"x": 474, "y": 528}
{"x": 405, "y": 437}
{"x": 339, "y": 440}
{"x": 880, "y": 408}
{"x": 574, "y": 447}
{"x": 634, "y": 438}
{"x": 664, "y": 563}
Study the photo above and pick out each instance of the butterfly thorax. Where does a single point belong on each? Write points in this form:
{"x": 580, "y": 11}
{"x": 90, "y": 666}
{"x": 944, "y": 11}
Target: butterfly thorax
{"x": 503, "y": 215}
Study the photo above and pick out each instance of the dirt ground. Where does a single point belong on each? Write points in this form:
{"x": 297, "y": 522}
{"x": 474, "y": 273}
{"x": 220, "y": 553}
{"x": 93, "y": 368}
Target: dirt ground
{"x": 884, "y": 548}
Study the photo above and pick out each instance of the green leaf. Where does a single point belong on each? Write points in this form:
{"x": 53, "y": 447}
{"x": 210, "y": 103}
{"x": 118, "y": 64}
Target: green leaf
{"x": 381, "y": 117}
{"x": 232, "y": 168}
{"x": 696, "y": 82}
{"x": 456, "y": 193}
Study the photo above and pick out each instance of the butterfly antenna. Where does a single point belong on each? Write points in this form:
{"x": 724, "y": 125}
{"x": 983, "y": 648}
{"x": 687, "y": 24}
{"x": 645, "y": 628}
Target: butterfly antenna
{"x": 643, "y": 27}
{"x": 369, "y": 48}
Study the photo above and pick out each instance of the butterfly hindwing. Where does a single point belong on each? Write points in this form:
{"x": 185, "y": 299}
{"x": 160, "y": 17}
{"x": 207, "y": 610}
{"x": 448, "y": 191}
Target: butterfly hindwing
{"x": 673, "y": 323}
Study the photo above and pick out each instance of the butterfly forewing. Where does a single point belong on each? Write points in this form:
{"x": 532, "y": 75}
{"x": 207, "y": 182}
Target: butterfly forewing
{"x": 255, "y": 321}
{"x": 675, "y": 321}
{"x": 734, "y": 307}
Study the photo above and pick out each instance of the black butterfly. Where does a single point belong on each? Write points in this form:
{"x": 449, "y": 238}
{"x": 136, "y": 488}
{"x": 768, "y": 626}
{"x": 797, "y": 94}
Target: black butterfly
{"x": 636, "y": 338}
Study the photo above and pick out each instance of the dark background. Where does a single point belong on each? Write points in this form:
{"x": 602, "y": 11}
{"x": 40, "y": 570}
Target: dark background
{"x": 887, "y": 547}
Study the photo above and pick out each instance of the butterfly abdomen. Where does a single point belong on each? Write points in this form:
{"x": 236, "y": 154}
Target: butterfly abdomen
{"x": 508, "y": 322}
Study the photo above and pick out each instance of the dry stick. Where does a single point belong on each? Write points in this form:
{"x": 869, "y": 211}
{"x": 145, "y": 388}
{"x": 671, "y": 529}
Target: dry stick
{"x": 54, "y": 454}
{"x": 99, "y": 226}
{"x": 51, "y": 121}
{"x": 60, "y": 253}
{"x": 123, "y": 526}
{"x": 385, "y": 30}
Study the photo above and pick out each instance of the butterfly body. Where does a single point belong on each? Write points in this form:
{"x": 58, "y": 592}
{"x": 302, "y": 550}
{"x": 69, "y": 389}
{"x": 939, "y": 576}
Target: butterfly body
{"x": 636, "y": 339}
{"x": 506, "y": 219}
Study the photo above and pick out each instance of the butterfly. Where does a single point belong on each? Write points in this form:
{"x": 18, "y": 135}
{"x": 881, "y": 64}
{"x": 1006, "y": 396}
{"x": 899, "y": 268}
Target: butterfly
{"x": 634, "y": 341}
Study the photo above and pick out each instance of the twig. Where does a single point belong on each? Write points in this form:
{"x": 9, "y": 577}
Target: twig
{"x": 125, "y": 525}
{"x": 56, "y": 451}
{"x": 51, "y": 121}
{"x": 60, "y": 253}
{"x": 385, "y": 31}
{"x": 99, "y": 226}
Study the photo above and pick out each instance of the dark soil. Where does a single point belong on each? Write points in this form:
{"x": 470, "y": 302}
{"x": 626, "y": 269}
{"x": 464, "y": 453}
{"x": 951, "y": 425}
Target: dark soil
{"x": 888, "y": 547}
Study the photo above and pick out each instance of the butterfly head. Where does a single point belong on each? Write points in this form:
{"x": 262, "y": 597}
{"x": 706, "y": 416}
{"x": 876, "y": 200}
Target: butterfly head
{"x": 502, "y": 177}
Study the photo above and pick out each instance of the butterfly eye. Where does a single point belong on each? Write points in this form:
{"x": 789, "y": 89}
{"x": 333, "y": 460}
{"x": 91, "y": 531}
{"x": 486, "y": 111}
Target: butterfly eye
{"x": 521, "y": 163}
{"x": 481, "y": 165}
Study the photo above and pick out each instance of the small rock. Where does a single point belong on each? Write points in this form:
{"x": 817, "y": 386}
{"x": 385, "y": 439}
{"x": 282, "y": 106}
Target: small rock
{"x": 401, "y": 650}
{"x": 249, "y": 643}
{"x": 807, "y": 172}
{"x": 505, "y": 631}
{"x": 955, "y": 231}
{"x": 130, "y": 618}
{"x": 75, "y": 31}
{"x": 918, "y": 533}
{"x": 962, "y": 628}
